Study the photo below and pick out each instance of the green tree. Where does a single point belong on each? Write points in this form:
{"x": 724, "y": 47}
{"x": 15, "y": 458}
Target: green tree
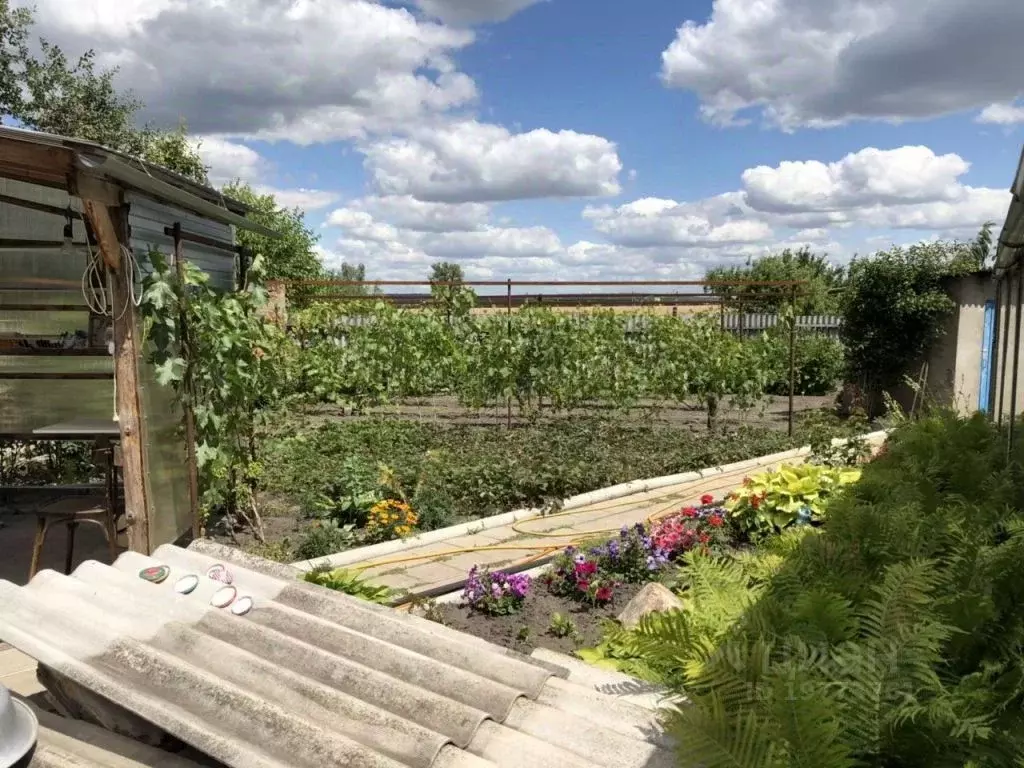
{"x": 818, "y": 297}
{"x": 293, "y": 255}
{"x": 894, "y": 307}
{"x": 449, "y": 296}
{"x": 54, "y": 94}
{"x": 350, "y": 273}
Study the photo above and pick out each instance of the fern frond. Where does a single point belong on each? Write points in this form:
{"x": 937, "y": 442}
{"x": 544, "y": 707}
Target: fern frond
{"x": 710, "y": 736}
{"x": 900, "y": 600}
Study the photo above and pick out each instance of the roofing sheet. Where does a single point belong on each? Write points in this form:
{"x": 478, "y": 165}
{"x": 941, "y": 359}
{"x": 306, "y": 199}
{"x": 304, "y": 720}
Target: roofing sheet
{"x": 311, "y": 677}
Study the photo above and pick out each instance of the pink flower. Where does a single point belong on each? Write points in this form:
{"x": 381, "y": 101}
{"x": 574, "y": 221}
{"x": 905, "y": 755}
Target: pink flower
{"x": 583, "y": 585}
{"x": 586, "y": 569}
{"x": 604, "y": 594}
{"x": 706, "y": 499}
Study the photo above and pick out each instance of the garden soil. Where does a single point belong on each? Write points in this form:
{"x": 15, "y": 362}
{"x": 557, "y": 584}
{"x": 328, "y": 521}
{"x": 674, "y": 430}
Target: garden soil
{"x": 535, "y": 615}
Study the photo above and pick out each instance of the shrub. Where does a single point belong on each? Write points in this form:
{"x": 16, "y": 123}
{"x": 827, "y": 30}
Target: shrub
{"x": 323, "y": 538}
{"x": 893, "y": 637}
{"x": 349, "y": 582}
{"x": 795, "y": 495}
{"x": 497, "y": 593}
{"x": 819, "y": 363}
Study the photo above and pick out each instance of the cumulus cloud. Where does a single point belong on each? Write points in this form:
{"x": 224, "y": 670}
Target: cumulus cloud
{"x": 473, "y": 11}
{"x": 306, "y": 71}
{"x": 807, "y": 203}
{"x": 828, "y": 62}
{"x": 868, "y": 177}
{"x": 473, "y": 161}
{"x": 228, "y": 161}
{"x": 717, "y": 221}
{"x": 418, "y": 215}
{"x": 1002, "y": 114}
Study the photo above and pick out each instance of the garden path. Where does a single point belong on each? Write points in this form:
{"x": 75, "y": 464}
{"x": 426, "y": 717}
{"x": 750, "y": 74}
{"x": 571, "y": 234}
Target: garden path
{"x": 417, "y": 567}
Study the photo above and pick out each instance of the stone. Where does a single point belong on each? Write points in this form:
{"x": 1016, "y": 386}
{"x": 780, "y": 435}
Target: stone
{"x": 651, "y": 599}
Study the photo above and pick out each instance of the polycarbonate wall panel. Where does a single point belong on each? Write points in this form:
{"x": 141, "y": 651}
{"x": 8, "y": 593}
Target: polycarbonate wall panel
{"x": 43, "y": 277}
{"x": 166, "y": 460}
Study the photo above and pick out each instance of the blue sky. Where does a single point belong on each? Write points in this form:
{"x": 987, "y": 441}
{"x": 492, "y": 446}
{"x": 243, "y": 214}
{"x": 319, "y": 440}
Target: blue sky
{"x": 596, "y": 140}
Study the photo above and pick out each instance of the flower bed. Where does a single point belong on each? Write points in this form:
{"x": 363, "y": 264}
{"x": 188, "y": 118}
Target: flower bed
{"x": 570, "y": 604}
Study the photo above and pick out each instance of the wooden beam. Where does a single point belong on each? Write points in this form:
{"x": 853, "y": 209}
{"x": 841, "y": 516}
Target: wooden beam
{"x": 34, "y": 163}
{"x": 92, "y": 188}
{"x": 100, "y": 220}
{"x": 126, "y": 378}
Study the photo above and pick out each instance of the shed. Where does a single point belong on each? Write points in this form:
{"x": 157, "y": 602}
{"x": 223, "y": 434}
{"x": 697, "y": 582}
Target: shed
{"x": 70, "y": 209}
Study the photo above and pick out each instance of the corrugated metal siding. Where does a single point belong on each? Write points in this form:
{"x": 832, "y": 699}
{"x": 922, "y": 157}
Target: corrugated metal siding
{"x": 148, "y": 218}
{"x": 312, "y": 677}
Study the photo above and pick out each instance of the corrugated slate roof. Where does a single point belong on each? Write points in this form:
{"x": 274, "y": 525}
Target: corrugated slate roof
{"x": 311, "y": 677}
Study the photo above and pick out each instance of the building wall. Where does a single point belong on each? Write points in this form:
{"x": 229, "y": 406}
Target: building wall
{"x": 1003, "y": 369}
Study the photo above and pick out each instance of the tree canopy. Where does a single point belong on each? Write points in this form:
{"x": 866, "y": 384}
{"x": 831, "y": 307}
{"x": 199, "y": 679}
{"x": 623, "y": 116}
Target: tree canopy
{"x": 818, "y": 297}
{"x": 55, "y": 94}
{"x": 292, "y": 256}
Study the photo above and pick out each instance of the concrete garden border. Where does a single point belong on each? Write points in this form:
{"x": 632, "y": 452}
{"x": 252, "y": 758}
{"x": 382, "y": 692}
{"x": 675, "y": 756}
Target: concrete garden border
{"x": 374, "y": 551}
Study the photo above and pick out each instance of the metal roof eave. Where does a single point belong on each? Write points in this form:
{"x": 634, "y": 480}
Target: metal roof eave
{"x": 118, "y": 170}
{"x": 1011, "y": 238}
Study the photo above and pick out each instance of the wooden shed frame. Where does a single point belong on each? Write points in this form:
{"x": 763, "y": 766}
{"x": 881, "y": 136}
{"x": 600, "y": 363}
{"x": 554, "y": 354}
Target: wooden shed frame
{"x": 103, "y": 180}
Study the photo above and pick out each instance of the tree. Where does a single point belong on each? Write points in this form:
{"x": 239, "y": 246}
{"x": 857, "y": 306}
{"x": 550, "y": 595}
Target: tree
{"x": 293, "y": 255}
{"x": 818, "y": 297}
{"x": 449, "y": 295}
{"x": 894, "y": 307}
{"x": 52, "y": 94}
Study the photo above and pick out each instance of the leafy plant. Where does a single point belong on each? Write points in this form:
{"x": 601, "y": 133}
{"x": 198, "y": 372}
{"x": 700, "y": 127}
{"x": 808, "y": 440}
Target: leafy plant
{"x": 562, "y": 626}
{"x": 495, "y": 593}
{"x": 323, "y": 538}
{"x": 772, "y": 501}
{"x": 349, "y": 582}
{"x": 226, "y": 368}
{"x": 891, "y": 637}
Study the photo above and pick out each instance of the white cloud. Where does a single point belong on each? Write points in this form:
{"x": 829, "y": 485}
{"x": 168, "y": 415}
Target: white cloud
{"x": 302, "y": 70}
{"x": 868, "y": 177}
{"x": 1002, "y": 114}
{"x": 229, "y": 161}
{"x": 472, "y": 161}
{"x": 409, "y": 213}
{"x": 829, "y": 62}
{"x": 710, "y": 223}
{"x": 808, "y": 203}
{"x": 473, "y": 11}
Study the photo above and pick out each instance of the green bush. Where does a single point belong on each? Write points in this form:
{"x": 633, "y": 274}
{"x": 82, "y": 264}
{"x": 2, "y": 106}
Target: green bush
{"x": 323, "y": 538}
{"x": 819, "y": 363}
{"x": 895, "y": 637}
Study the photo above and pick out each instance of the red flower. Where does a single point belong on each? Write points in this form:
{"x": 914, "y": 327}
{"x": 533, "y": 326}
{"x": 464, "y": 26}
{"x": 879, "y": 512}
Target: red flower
{"x": 689, "y": 512}
{"x": 604, "y": 594}
{"x": 583, "y": 585}
{"x": 586, "y": 569}
{"x": 704, "y": 538}
{"x": 706, "y": 499}
{"x": 715, "y": 521}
